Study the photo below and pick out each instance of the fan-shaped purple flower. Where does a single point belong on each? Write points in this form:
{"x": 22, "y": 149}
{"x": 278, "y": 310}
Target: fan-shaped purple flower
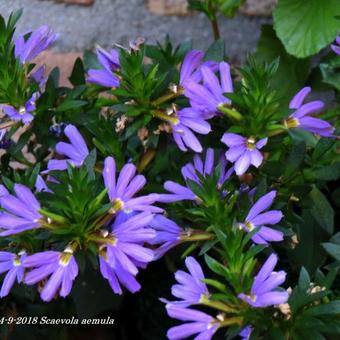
{"x": 208, "y": 98}
{"x": 190, "y": 172}
{"x": 190, "y": 288}
{"x": 256, "y": 218}
{"x": 21, "y": 211}
{"x": 23, "y": 113}
{"x": 12, "y": 264}
{"x": 122, "y": 191}
{"x": 60, "y": 267}
{"x": 110, "y": 63}
{"x": 243, "y": 151}
{"x": 38, "y": 41}
{"x": 186, "y": 121}
{"x": 191, "y": 67}
{"x": 76, "y": 150}
{"x": 262, "y": 293}
{"x": 124, "y": 252}
{"x": 198, "y": 323}
{"x": 303, "y": 116}
{"x": 168, "y": 234}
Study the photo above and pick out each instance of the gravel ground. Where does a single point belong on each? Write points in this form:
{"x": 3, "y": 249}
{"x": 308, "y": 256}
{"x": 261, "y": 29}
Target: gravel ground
{"x": 118, "y": 21}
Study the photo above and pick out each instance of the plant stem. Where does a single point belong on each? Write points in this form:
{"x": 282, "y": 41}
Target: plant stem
{"x": 215, "y": 28}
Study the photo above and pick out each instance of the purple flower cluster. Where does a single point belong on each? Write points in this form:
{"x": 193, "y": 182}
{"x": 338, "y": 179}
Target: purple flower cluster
{"x": 26, "y": 51}
{"x": 110, "y": 64}
{"x": 263, "y": 293}
{"x": 191, "y": 171}
{"x": 303, "y": 116}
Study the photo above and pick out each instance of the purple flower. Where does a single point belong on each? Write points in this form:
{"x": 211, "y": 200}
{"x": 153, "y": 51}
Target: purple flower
{"x": 208, "y": 98}
{"x": 199, "y": 323}
{"x": 190, "y": 172}
{"x": 262, "y": 293}
{"x": 124, "y": 252}
{"x": 23, "y": 113}
{"x": 168, "y": 233}
{"x": 191, "y": 67}
{"x": 178, "y": 193}
{"x": 76, "y": 151}
{"x": 186, "y": 121}
{"x": 336, "y": 47}
{"x": 39, "y": 76}
{"x": 110, "y": 63}
{"x": 243, "y": 151}
{"x": 5, "y": 143}
{"x": 12, "y": 264}
{"x": 190, "y": 288}
{"x": 257, "y": 219}
{"x": 246, "y": 333}
{"x": 3, "y": 191}
{"x": 39, "y": 40}
{"x": 40, "y": 185}
{"x": 21, "y": 212}
{"x": 303, "y": 118}
{"x": 122, "y": 191}
{"x": 60, "y": 267}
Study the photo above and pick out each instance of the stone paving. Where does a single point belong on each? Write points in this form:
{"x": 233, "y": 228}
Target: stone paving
{"x": 118, "y": 21}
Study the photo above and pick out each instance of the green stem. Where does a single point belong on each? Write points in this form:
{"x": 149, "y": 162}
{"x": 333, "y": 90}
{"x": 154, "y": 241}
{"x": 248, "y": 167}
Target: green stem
{"x": 163, "y": 116}
{"x": 222, "y": 306}
{"x": 215, "y": 28}
{"x": 168, "y": 96}
{"x": 231, "y": 113}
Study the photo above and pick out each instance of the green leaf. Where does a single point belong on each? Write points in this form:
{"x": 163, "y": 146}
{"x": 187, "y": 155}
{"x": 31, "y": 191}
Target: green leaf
{"x": 70, "y": 105}
{"x": 322, "y": 211}
{"x": 305, "y": 27}
{"x": 304, "y": 279}
{"x": 215, "y": 266}
{"x": 330, "y": 308}
{"x": 216, "y": 51}
{"x": 292, "y": 72}
{"x": 332, "y": 249}
{"x": 77, "y": 76}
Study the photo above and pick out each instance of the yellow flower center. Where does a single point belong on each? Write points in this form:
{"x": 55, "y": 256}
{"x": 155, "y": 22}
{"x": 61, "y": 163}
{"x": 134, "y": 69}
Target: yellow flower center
{"x": 250, "y": 226}
{"x": 251, "y": 143}
{"x": 291, "y": 123}
{"x": 22, "y": 110}
{"x": 117, "y": 204}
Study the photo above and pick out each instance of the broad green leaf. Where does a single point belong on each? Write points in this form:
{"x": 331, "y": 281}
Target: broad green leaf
{"x": 306, "y": 26}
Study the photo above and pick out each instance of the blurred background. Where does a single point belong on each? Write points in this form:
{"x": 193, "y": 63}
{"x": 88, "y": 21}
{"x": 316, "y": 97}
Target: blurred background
{"x": 83, "y": 24}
